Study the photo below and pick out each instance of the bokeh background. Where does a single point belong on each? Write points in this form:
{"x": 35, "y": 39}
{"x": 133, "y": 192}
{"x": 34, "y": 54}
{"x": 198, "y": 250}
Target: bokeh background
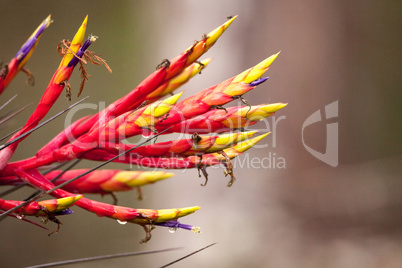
{"x": 307, "y": 214}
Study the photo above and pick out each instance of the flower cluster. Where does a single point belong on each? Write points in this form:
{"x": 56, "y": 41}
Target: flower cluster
{"x": 142, "y": 111}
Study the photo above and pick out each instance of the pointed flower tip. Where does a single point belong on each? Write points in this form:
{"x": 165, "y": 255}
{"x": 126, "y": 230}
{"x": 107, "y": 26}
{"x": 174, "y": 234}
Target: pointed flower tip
{"x": 157, "y": 175}
{"x": 227, "y": 139}
{"x": 167, "y": 175}
{"x": 80, "y": 35}
{"x": 280, "y": 105}
{"x": 245, "y": 145}
{"x": 78, "y": 197}
{"x": 187, "y": 211}
{"x": 253, "y": 75}
{"x": 215, "y": 34}
{"x": 173, "y": 99}
{"x": 206, "y": 61}
{"x": 160, "y": 108}
{"x": 223, "y": 27}
{"x": 173, "y": 214}
{"x": 230, "y": 20}
{"x": 270, "y": 60}
{"x": 262, "y": 136}
{"x": 196, "y": 68}
{"x": 249, "y": 134}
{"x": 66, "y": 202}
{"x": 271, "y": 108}
{"x": 139, "y": 178}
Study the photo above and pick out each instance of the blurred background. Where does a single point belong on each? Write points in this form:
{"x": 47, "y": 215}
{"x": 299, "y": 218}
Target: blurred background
{"x": 299, "y": 213}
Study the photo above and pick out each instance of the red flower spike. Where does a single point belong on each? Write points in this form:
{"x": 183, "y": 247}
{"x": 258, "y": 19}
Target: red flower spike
{"x": 106, "y": 181}
{"x": 219, "y": 120}
{"x": 139, "y": 216}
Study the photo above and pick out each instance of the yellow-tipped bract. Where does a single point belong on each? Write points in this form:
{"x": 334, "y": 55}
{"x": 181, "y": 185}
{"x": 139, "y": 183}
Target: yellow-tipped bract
{"x": 172, "y": 214}
{"x": 257, "y": 71}
{"x": 140, "y": 178}
{"x": 76, "y": 43}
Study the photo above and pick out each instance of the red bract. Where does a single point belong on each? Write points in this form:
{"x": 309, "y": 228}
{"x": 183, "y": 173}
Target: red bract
{"x": 100, "y": 137}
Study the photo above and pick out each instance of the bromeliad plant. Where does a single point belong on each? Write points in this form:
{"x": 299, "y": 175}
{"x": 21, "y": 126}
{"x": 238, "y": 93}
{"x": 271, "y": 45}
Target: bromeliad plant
{"x": 100, "y": 137}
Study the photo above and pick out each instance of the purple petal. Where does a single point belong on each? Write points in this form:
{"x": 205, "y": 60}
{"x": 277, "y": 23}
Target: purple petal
{"x": 258, "y": 81}
{"x": 65, "y": 212}
{"x": 30, "y": 43}
{"x": 175, "y": 224}
{"x": 81, "y": 52}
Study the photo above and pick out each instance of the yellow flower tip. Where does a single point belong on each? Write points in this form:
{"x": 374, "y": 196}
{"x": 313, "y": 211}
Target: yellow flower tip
{"x": 205, "y": 62}
{"x": 245, "y": 145}
{"x": 267, "y": 62}
{"x": 225, "y": 139}
{"x": 172, "y": 214}
{"x": 78, "y": 197}
{"x": 196, "y": 68}
{"x": 257, "y": 71}
{"x": 215, "y": 34}
{"x": 260, "y": 112}
{"x": 155, "y": 176}
{"x": 251, "y": 133}
{"x": 173, "y": 99}
{"x": 160, "y": 108}
{"x": 139, "y": 178}
{"x": 246, "y": 135}
{"x": 76, "y": 43}
{"x": 66, "y": 202}
{"x": 80, "y": 35}
{"x": 272, "y": 108}
{"x": 186, "y": 211}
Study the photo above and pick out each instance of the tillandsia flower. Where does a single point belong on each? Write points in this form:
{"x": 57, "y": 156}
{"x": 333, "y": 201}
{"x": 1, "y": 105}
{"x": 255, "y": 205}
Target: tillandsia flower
{"x": 17, "y": 64}
{"x": 101, "y": 137}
